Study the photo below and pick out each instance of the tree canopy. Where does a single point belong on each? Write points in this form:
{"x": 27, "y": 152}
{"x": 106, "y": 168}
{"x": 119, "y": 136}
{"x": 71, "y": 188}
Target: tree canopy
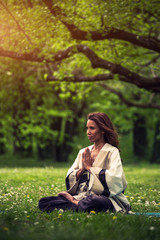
{"x": 87, "y": 41}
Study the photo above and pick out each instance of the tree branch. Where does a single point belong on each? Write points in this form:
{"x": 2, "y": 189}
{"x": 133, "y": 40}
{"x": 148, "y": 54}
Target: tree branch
{"x": 32, "y": 56}
{"x": 127, "y": 102}
{"x": 17, "y": 23}
{"x": 125, "y": 75}
{"x": 154, "y": 60}
{"x": 97, "y": 78}
{"x": 107, "y": 33}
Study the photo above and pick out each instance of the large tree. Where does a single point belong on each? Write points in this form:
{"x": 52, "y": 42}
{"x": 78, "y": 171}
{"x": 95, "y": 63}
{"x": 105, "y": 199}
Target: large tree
{"x": 87, "y": 41}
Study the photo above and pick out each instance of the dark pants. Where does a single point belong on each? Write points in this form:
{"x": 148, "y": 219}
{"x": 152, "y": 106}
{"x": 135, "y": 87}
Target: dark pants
{"x": 93, "y": 202}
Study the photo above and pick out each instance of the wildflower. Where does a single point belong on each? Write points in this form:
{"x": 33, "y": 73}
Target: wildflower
{"x": 5, "y": 229}
{"x": 92, "y": 212}
{"x": 28, "y": 216}
{"x": 147, "y": 203}
{"x": 151, "y": 228}
{"x": 114, "y": 217}
{"x": 36, "y": 223}
{"x": 61, "y": 210}
{"x": 131, "y": 198}
{"x": 60, "y": 215}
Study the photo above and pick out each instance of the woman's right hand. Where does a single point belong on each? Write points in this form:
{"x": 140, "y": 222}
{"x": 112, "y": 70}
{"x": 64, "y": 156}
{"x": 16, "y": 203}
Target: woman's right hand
{"x": 86, "y": 163}
{"x": 86, "y": 159}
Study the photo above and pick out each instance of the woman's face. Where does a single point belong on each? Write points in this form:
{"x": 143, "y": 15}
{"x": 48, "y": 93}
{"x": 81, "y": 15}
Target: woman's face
{"x": 93, "y": 132}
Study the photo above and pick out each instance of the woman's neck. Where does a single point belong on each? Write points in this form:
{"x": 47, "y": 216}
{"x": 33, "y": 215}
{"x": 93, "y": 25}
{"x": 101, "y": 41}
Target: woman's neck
{"x": 98, "y": 146}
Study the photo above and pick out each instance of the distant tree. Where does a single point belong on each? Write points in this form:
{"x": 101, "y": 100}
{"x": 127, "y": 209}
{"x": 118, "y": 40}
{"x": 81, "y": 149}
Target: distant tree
{"x": 155, "y": 157}
{"x": 140, "y": 143}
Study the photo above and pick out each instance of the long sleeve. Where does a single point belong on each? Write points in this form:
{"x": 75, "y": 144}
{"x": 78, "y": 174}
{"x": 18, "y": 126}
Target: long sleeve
{"x": 71, "y": 174}
{"x": 108, "y": 181}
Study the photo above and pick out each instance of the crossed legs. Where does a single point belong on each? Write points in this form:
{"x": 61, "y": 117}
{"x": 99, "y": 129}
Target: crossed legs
{"x": 69, "y": 197}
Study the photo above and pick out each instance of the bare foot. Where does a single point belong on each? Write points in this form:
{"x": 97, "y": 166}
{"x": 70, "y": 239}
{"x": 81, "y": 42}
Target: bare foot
{"x": 69, "y": 197}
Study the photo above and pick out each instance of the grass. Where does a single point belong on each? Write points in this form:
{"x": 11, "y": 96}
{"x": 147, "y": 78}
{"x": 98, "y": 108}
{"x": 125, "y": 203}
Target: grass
{"x": 22, "y": 187}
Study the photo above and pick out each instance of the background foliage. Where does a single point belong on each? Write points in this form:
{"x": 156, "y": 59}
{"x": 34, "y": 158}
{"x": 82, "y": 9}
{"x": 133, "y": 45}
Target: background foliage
{"x": 62, "y": 59}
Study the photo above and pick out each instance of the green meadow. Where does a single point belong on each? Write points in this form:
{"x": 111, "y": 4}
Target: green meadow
{"x": 59, "y": 61}
{"x": 20, "y": 218}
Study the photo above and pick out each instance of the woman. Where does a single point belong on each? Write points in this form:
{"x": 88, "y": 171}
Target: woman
{"x": 96, "y": 179}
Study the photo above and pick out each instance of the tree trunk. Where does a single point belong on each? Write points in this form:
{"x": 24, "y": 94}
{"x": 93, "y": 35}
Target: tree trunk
{"x": 139, "y": 136}
{"x": 46, "y": 152}
{"x": 63, "y": 149}
{"x": 155, "y": 157}
{"x": 2, "y": 145}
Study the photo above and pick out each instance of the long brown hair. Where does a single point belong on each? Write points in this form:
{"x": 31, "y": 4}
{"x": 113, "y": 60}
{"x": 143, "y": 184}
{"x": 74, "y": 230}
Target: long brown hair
{"x": 105, "y": 125}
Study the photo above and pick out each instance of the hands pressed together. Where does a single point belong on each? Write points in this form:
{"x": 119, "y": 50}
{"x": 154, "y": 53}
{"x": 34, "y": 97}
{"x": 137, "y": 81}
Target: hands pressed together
{"x": 87, "y": 160}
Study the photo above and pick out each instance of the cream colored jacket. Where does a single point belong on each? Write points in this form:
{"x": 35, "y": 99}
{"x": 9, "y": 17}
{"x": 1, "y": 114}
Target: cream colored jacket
{"x": 106, "y": 177}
